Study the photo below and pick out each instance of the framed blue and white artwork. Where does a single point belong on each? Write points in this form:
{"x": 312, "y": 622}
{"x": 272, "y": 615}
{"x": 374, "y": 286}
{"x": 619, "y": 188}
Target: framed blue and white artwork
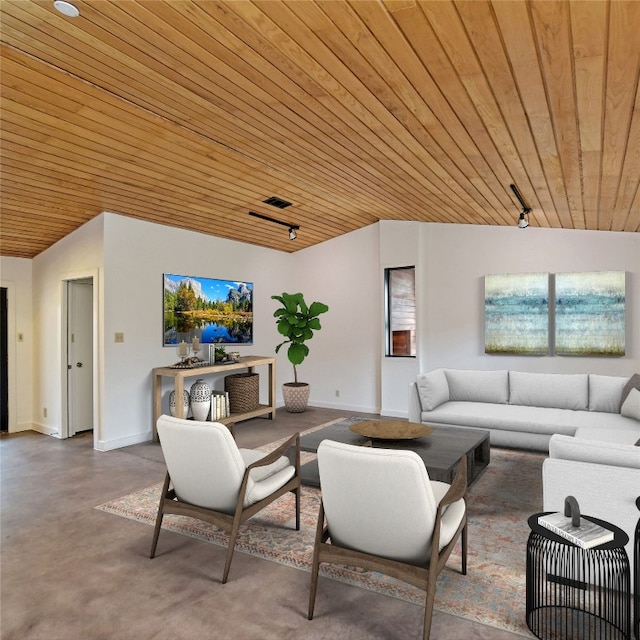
{"x": 516, "y": 314}
{"x": 590, "y": 314}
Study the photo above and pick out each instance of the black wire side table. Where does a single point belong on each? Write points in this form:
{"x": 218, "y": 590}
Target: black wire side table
{"x": 636, "y": 578}
{"x": 575, "y": 593}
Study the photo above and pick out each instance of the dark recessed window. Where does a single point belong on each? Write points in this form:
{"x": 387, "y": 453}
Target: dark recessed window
{"x": 400, "y": 296}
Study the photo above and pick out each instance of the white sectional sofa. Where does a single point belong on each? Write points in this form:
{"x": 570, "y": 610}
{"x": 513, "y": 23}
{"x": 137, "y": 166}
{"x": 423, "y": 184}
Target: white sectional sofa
{"x": 520, "y": 409}
{"x": 601, "y": 469}
{"x": 593, "y": 439}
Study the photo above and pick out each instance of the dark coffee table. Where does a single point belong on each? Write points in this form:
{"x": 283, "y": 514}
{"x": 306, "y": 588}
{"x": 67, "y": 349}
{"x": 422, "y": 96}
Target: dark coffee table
{"x": 441, "y": 450}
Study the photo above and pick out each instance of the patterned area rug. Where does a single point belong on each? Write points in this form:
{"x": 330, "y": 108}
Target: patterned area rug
{"x": 499, "y": 503}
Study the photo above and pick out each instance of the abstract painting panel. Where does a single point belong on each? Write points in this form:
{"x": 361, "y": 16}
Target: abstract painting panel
{"x": 590, "y": 313}
{"x": 516, "y": 313}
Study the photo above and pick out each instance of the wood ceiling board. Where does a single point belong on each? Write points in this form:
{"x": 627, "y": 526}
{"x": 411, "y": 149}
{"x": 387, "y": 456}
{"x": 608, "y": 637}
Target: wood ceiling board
{"x": 354, "y": 111}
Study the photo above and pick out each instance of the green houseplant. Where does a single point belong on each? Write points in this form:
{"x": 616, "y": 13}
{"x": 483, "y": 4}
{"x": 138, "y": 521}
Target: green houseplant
{"x": 296, "y": 321}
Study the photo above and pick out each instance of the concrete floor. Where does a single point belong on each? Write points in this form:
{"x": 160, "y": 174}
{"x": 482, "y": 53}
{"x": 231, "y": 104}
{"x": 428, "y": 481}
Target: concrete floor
{"x": 72, "y": 572}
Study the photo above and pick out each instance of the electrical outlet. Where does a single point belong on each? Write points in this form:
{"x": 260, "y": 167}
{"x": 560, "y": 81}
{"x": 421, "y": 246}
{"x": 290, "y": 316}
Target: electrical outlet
{"x": 44, "y": 412}
{"x": 119, "y": 337}
{"x": 337, "y": 393}
{"x": 21, "y": 337}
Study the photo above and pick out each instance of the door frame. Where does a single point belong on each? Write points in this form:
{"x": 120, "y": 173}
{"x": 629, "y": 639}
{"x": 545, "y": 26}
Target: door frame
{"x": 97, "y": 423}
{"x": 12, "y": 372}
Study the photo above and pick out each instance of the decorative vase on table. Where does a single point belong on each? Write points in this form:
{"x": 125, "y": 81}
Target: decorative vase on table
{"x": 185, "y": 403}
{"x": 200, "y": 396}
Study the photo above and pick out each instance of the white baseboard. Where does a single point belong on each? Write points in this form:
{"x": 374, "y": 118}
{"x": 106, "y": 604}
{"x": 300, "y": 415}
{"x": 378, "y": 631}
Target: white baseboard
{"x": 119, "y": 443}
{"x": 41, "y": 428}
{"x": 344, "y": 407}
{"x": 395, "y": 414}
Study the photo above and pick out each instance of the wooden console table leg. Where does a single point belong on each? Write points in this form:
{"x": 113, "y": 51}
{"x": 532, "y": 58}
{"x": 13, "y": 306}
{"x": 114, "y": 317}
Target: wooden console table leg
{"x": 179, "y": 387}
{"x": 157, "y": 404}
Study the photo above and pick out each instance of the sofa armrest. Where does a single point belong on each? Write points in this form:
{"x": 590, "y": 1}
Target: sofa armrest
{"x": 602, "y": 491}
{"x": 414, "y": 411}
{"x": 596, "y": 452}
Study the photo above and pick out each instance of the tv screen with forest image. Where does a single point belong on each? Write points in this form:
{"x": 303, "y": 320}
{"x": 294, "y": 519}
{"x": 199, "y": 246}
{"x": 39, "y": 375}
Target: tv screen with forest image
{"x": 214, "y": 311}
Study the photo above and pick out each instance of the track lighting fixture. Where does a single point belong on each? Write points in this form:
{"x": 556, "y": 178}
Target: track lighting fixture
{"x": 523, "y": 220}
{"x": 293, "y": 228}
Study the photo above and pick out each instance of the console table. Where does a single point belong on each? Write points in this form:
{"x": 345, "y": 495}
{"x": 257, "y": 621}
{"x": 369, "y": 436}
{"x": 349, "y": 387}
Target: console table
{"x": 179, "y": 376}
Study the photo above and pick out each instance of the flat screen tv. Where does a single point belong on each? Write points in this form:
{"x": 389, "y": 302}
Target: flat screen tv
{"x": 214, "y": 311}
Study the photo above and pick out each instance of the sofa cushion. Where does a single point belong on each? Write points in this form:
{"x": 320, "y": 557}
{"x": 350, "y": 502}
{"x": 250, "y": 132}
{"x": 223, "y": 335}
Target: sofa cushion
{"x": 433, "y": 389}
{"x": 478, "y": 386}
{"x": 539, "y": 420}
{"x": 631, "y": 406}
{"x": 633, "y": 383}
{"x": 612, "y": 434}
{"x": 595, "y": 451}
{"x": 556, "y": 390}
{"x": 605, "y": 393}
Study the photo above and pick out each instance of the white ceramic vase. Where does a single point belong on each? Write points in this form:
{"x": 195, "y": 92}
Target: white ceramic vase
{"x": 200, "y": 396}
{"x": 185, "y": 404}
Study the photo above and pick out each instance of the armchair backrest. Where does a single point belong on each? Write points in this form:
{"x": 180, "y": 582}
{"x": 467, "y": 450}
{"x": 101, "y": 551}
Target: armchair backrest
{"x": 377, "y": 500}
{"x": 203, "y": 461}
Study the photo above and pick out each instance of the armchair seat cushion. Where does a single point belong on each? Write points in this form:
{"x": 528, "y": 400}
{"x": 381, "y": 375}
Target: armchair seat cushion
{"x": 265, "y": 480}
{"x": 452, "y": 516}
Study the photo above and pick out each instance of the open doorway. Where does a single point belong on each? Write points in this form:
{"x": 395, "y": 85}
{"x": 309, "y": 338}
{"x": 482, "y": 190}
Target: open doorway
{"x": 4, "y": 361}
{"x": 79, "y": 356}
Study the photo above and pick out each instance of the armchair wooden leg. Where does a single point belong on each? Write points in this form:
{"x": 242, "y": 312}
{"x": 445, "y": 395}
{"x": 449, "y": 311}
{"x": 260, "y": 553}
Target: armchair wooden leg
{"x": 464, "y": 550}
{"x": 314, "y": 582}
{"x": 298, "y": 508}
{"x": 156, "y": 532}
{"x": 232, "y": 545}
{"x": 428, "y": 610}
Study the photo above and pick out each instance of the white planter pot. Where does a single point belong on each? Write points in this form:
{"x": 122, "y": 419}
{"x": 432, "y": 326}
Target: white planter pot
{"x": 296, "y": 396}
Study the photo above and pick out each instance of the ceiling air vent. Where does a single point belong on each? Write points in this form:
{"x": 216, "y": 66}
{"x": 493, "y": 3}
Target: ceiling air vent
{"x": 277, "y": 202}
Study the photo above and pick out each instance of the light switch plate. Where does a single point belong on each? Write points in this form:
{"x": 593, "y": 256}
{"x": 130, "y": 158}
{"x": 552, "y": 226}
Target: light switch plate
{"x": 119, "y": 337}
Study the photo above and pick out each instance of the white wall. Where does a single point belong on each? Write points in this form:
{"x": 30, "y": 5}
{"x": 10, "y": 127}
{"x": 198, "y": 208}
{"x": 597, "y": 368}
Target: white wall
{"x": 344, "y": 357}
{"x": 136, "y": 255}
{"x": 456, "y": 259}
{"x": 16, "y": 276}
{"x": 346, "y": 273}
{"x": 399, "y": 247}
{"x": 78, "y": 255}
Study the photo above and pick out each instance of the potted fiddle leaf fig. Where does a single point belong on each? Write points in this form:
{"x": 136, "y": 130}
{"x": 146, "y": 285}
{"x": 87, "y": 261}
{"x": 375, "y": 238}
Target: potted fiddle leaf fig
{"x": 296, "y": 321}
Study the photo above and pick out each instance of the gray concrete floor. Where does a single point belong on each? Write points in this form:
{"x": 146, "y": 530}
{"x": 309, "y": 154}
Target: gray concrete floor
{"x": 69, "y": 571}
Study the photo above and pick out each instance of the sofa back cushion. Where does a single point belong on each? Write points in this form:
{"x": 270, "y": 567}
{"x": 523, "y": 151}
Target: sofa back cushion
{"x": 557, "y": 390}
{"x": 605, "y": 393}
{"x": 478, "y": 386}
{"x": 433, "y": 389}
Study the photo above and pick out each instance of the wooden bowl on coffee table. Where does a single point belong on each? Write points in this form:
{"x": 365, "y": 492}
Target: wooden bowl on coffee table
{"x": 390, "y": 429}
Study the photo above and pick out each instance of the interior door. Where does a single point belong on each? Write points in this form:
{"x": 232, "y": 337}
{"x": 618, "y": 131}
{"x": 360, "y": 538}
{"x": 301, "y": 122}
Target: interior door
{"x": 80, "y": 355}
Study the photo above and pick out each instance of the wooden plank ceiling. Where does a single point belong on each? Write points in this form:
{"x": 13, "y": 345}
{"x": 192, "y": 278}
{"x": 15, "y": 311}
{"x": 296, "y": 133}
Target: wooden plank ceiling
{"x": 192, "y": 113}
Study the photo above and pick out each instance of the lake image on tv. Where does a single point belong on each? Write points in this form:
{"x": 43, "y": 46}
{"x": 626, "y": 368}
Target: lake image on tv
{"x": 214, "y": 311}
{"x": 516, "y": 313}
{"x": 590, "y": 313}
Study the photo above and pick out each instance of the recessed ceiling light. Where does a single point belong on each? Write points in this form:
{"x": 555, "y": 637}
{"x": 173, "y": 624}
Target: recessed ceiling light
{"x": 66, "y": 8}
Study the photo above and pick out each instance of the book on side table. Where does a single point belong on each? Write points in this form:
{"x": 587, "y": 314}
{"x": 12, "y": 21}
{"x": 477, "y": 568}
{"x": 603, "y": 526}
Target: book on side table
{"x": 587, "y": 535}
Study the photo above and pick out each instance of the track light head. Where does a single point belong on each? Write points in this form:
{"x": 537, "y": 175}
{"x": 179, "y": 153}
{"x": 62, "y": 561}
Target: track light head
{"x": 292, "y": 233}
{"x": 523, "y": 220}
